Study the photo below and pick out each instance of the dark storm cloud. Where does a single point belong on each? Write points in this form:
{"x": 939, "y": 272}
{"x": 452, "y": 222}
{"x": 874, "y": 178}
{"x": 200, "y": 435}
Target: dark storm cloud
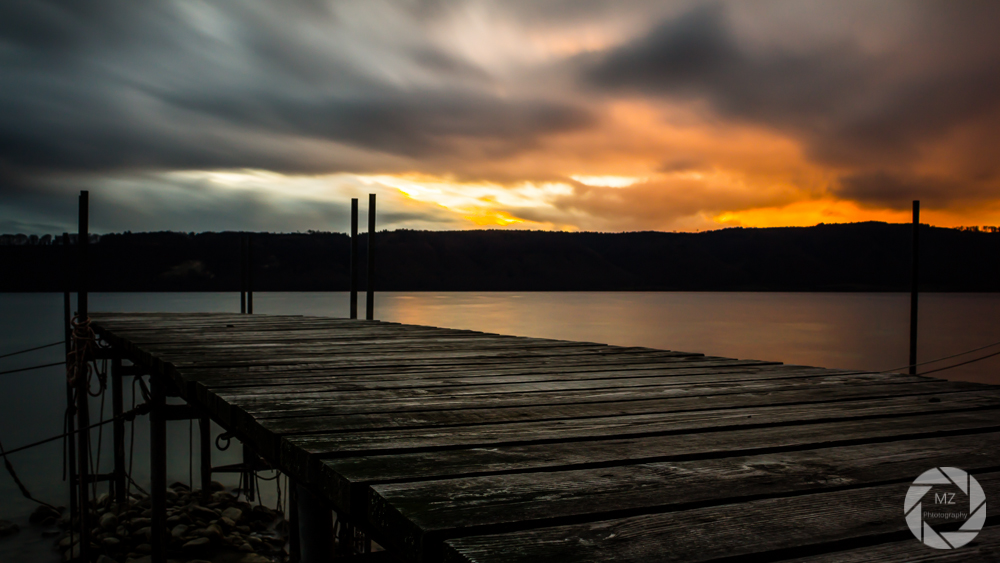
{"x": 895, "y": 190}
{"x": 850, "y": 105}
{"x": 107, "y": 84}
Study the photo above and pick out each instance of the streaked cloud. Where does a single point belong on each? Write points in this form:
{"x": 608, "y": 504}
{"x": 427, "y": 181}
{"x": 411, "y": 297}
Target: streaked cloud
{"x": 192, "y": 115}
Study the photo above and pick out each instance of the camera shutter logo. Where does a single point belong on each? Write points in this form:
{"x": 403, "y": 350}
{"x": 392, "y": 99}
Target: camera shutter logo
{"x": 915, "y": 515}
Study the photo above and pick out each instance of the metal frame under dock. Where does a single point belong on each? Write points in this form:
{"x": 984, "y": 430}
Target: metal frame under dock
{"x": 461, "y": 446}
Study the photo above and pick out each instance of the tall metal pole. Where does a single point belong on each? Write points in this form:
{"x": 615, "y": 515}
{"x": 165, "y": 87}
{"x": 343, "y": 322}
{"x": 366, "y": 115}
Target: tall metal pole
{"x": 370, "y": 313}
{"x": 68, "y": 335}
{"x": 82, "y": 406}
{"x": 243, "y": 273}
{"x": 354, "y": 258}
{"x": 914, "y": 277}
{"x": 249, "y": 274}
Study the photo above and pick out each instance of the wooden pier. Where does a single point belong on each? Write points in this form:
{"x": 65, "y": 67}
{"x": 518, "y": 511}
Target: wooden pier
{"x": 456, "y": 445}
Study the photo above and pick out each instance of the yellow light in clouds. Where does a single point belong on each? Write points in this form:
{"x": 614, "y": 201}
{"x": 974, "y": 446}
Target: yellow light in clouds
{"x": 486, "y": 217}
{"x": 608, "y": 181}
{"x": 808, "y": 213}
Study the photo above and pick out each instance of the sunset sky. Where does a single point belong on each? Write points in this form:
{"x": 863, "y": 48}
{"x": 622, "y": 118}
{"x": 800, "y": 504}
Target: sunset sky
{"x": 567, "y": 114}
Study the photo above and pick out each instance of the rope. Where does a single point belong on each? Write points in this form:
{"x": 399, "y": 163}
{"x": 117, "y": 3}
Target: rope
{"x": 934, "y": 361}
{"x": 961, "y": 364}
{"x": 128, "y": 415}
{"x": 33, "y": 349}
{"x": 32, "y": 367}
{"x": 20, "y": 485}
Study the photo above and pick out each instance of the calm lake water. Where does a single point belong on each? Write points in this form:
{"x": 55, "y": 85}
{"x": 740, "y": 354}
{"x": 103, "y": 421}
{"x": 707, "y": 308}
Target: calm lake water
{"x": 846, "y": 330}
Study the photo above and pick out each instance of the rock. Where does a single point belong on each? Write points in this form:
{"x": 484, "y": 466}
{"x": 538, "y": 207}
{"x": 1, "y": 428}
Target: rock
{"x": 49, "y": 532}
{"x": 111, "y": 542}
{"x": 179, "y": 531}
{"x": 243, "y": 529}
{"x": 8, "y": 528}
{"x": 108, "y": 522}
{"x": 43, "y": 513}
{"x": 196, "y": 545}
{"x": 105, "y": 559}
{"x": 102, "y": 499}
{"x": 213, "y": 530}
{"x": 144, "y": 548}
{"x": 246, "y": 548}
{"x": 227, "y": 523}
{"x": 203, "y": 513}
{"x": 143, "y": 533}
{"x": 147, "y": 513}
{"x": 71, "y": 554}
{"x": 233, "y": 513}
{"x": 172, "y": 495}
{"x": 216, "y": 486}
{"x": 141, "y": 522}
{"x": 254, "y": 558}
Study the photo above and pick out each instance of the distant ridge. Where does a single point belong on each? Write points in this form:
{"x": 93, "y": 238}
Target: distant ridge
{"x": 843, "y": 257}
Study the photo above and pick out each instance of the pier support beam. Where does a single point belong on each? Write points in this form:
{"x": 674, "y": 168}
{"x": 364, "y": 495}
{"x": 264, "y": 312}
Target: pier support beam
{"x": 205, "y": 459}
{"x": 315, "y": 526}
{"x": 117, "y": 407}
{"x": 158, "y": 468}
{"x": 82, "y": 384}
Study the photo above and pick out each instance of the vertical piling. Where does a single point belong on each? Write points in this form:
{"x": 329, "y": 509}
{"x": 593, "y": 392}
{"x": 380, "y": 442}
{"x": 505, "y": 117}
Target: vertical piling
{"x": 249, "y": 274}
{"x": 243, "y": 274}
{"x": 914, "y": 284}
{"x": 370, "y": 309}
{"x": 158, "y": 468}
{"x": 82, "y": 406}
{"x": 205, "y": 434}
{"x": 315, "y": 524}
{"x": 68, "y": 335}
{"x": 117, "y": 408}
{"x": 354, "y": 258}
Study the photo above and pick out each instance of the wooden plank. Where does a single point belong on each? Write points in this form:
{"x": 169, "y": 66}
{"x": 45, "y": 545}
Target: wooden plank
{"x": 419, "y": 516}
{"x": 984, "y": 549}
{"x": 911, "y": 400}
{"x": 543, "y": 393}
{"x": 819, "y": 522}
{"x": 342, "y": 479}
{"x": 792, "y": 405}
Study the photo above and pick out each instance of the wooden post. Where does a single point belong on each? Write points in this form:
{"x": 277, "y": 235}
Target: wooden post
{"x": 70, "y": 422}
{"x": 354, "y": 258}
{"x": 914, "y": 295}
{"x": 243, "y": 274}
{"x": 315, "y": 521}
{"x": 205, "y": 431}
{"x": 68, "y": 335}
{"x": 158, "y": 468}
{"x": 118, "y": 430}
{"x": 294, "y": 551}
{"x": 370, "y": 312}
{"x": 249, "y": 274}
{"x": 249, "y": 462}
{"x": 82, "y": 405}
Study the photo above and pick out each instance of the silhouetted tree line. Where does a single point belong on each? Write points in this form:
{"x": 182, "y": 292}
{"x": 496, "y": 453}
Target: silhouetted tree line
{"x": 852, "y": 257}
